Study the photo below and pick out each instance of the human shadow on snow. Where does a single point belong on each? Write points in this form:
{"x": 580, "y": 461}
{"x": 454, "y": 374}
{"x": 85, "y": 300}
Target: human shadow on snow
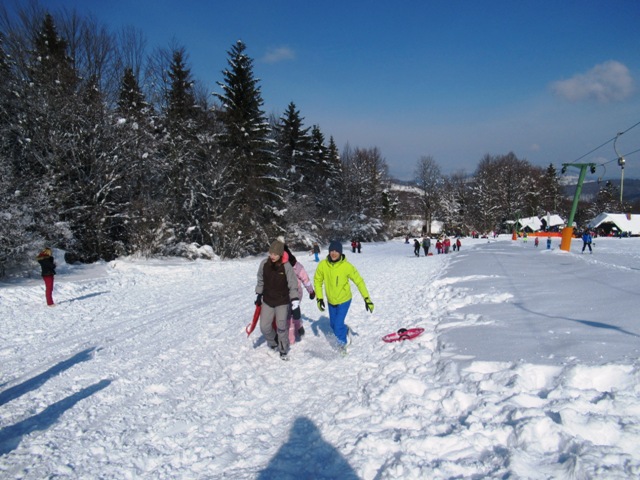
{"x": 84, "y": 297}
{"x": 10, "y": 437}
{"x": 306, "y": 455}
{"x": 39, "y": 380}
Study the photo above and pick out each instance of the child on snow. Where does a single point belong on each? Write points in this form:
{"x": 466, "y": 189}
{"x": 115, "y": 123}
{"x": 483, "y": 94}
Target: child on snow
{"x": 316, "y": 251}
{"x": 295, "y": 325}
{"x": 335, "y": 272}
{"x": 48, "y": 267}
{"x": 277, "y": 290}
{"x": 416, "y": 247}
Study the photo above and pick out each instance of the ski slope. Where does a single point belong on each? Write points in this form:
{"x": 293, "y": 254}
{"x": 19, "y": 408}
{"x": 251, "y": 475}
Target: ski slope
{"x": 528, "y": 368}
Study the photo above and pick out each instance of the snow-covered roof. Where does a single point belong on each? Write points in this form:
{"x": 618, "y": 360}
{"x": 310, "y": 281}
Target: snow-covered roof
{"x": 535, "y": 223}
{"x": 532, "y": 223}
{"x": 555, "y": 220}
{"x": 623, "y": 221}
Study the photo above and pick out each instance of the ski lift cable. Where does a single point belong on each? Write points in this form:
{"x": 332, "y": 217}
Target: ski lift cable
{"x": 624, "y": 155}
{"x": 608, "y": 141}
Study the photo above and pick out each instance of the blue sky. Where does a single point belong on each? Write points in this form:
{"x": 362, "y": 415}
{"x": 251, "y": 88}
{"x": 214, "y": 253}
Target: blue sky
{"x": 548, "y": 80}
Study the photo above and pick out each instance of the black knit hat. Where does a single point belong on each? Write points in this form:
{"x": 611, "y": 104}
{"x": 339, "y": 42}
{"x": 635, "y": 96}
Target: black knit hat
{"x": 335, "y": 246}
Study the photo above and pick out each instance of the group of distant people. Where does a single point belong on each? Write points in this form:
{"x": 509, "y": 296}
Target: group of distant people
{"x": 443, "y": 245}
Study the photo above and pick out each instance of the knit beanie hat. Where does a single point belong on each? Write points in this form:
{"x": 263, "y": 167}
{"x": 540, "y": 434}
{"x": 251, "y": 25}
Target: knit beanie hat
{"x": 277, "y": 248}
{"x": 335, "y": 246}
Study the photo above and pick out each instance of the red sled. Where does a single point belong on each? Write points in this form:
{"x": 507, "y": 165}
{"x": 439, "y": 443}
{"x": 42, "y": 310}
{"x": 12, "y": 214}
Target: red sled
{"x": 252, "y": 326}
{"x": 403, "y": 334}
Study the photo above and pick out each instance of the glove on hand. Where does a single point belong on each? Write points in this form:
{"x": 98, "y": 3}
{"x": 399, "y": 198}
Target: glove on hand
{"x": 320, "y": 303}
{"x": 368, "y": 304}
{"x": 258, "y": 301}
{"x": 295, "y": 309}
{"x": 312, "y": 295}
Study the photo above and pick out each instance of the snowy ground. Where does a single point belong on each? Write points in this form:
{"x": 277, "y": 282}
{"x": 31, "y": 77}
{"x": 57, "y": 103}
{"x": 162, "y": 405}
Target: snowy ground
{"x": 528, "y": 368}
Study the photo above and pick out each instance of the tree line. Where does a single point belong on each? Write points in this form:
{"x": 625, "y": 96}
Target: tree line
{"x": 106, "y": 150}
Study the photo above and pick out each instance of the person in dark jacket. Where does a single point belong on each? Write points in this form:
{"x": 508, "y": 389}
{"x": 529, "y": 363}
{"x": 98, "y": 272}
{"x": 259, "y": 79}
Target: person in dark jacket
{"x": 316, "y": 251}
{"x": 48, "y": 266}
{"x": 416, "y": 247}
{"x": 277, "y": 290}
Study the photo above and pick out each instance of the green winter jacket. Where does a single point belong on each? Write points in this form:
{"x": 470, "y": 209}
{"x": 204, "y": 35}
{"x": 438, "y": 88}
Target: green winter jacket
{"x": 336, "y": 276}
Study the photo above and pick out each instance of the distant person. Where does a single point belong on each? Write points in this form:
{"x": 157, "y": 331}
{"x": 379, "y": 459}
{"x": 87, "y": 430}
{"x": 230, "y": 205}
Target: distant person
{"x": 446, "y": 244}
{"x": 359, "y": 246}
{"x": 48, "y": 267}
{"x": 354, "y": 245}
{"x": 536, "y": 242}
{"x": 316, "y": 251}
{"x": 426, "y": 244}
{"x": 586, "y": 241}
{"x": 335, "y": 272}
{"x": 458, "y": 243}
{"x": 277, "y": 291}
{"x": 416, "y": 247}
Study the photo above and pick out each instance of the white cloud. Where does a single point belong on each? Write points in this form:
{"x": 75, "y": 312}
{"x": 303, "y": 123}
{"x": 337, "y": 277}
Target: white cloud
{"x": 607, "y": 82}
{"x": 279, "y": 54}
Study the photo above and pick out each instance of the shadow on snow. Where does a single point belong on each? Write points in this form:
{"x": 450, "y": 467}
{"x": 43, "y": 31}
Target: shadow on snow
{"x": 306, "y": 455}
{"x": 39, "y": 380}
{"x": 10, "y": 437}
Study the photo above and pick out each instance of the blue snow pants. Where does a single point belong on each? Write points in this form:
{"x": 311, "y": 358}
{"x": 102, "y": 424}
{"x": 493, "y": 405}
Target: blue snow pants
{"x": 337, "y": 315}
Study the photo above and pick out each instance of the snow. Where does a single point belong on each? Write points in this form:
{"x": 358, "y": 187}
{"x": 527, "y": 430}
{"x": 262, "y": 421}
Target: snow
{"x": 528, "y": 368}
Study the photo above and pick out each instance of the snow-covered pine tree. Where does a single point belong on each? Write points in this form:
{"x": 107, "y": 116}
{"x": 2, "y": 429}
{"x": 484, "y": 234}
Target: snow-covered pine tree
{"x": 177, "y": 160}
{"x": 299, "y": 166}
{"x": 48, "y": 99}
{"x": 332, "y": 181}
{"x": 325, "y": 173}
{"x": 136, "y": 143}
{"x": 551, "y": 199}
{"x": 17, "y": 240}
{"x": 131, "y": 101}
{"x": 294, "y": 151}
{"x": 190, "y": 159}
{"x": 607, "y": 200}
{"x": 255, "y": 199}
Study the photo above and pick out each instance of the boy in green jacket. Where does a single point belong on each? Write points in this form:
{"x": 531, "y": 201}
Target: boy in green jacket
{"x": 335, "y": 272}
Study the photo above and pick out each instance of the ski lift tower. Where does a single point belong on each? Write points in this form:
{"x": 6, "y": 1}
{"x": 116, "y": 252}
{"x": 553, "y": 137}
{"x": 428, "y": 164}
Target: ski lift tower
{"x": 567, "y": 232}
{"x": 621, "y": 163}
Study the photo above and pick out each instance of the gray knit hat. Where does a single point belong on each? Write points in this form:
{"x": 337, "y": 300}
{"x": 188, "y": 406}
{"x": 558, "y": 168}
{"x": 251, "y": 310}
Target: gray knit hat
{"x": 277, "y": 248}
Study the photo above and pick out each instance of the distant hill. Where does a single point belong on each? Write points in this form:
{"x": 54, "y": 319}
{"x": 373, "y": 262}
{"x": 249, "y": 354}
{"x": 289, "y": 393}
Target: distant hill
{"x": 631, "y": 191}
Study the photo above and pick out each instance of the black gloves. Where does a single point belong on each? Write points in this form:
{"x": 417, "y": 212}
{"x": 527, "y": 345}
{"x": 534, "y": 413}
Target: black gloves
{"x": 295, "y": 308}
{"x": 312, "y": 295}
{"x": 320, "y": 303}
{"x": 258, "y": 301}
{"x": 368, "y": 304}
